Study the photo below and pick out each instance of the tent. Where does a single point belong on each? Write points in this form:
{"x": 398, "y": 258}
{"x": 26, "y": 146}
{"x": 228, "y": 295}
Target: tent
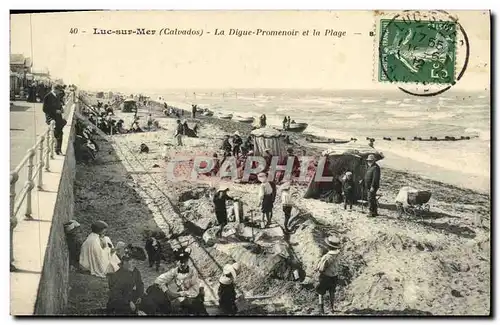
{"x": 268, "y": 138}
{"x": 339, "y": 159}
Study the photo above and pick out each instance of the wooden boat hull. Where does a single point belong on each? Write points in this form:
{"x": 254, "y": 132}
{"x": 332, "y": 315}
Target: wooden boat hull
{"x": 299, "y": 127}
{"x": 248, "y": 120}
{"x": 226, "y": 117}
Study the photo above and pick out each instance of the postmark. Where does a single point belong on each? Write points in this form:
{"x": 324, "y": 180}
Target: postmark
{"x": 424, "y": 52}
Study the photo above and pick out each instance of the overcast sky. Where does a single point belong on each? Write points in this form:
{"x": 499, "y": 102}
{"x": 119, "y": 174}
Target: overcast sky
{"x": 161, "y": 62}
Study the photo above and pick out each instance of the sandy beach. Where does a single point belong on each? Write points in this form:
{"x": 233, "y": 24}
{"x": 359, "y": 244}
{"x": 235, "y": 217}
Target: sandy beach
{"x": 435, "y": 264}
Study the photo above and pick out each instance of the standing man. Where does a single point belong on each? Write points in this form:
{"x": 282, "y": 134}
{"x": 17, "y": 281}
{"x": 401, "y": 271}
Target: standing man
{"x": 372, "y": 184}
{"x": 219, "y": 200}
{"x": 52, "y": 107}
{"x": 179, "y": 132}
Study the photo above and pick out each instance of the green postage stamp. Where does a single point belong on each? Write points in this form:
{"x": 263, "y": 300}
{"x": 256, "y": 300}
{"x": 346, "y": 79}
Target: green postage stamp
{"x": 417, "y": 51}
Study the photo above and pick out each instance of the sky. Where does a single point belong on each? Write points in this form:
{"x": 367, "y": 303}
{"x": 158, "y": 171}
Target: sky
{"x": 152, "y": 62}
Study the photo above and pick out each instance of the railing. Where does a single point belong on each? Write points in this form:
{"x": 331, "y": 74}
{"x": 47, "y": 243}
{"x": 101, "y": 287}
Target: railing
{"x": 43, "y": 152}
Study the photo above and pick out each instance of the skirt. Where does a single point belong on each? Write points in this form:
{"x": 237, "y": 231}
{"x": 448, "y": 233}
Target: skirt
{"x": 221, "y": 216}
{"x": 267, "y": 204}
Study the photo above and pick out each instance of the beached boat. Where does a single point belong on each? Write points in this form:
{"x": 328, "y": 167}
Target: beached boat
{"x": 297, "y": 127}
{"x": 334, "y": 141}
{"x": 242, "y": 119}
{"x": 226, "y": 116}
{"x": 207, "y": 113}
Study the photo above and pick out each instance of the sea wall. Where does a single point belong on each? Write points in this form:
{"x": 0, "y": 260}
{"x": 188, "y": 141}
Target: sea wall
{"x": 40, "y": 286}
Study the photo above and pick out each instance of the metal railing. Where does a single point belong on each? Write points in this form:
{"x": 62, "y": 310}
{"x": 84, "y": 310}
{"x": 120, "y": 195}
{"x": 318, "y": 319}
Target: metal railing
{"x": 37, "y": 161}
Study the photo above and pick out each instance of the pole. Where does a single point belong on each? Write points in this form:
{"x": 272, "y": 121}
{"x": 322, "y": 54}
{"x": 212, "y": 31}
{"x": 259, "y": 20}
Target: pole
{"x": 29, "y": 183}
{"x": 48, "y": 147}
{"x": 13, "y": 220}
{"x": 52, "y": 138}
{"x": 40, "y": 163}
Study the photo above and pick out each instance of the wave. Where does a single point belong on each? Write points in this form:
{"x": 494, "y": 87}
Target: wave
{"x": 405, "y": 113}
{"x": 441, "y": 115}
{"x": 369, "y": 100}
{"x": 483, "y": 134}
{"x": 406, "y": 105}
{"x": 355, "y": 116}
{"x": 392, "y": 102}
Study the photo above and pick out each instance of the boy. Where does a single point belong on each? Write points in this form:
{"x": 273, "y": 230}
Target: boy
{"x": 348, "y": 190}
{"x": 286, "y": 203}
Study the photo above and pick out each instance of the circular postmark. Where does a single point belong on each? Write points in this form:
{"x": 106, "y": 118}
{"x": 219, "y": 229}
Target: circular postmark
{"x": 424, "y": 52}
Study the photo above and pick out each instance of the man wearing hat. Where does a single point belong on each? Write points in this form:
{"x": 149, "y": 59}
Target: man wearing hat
{"x": 328, "y": 268}
{"x": 227, "y": 291}
{"x": 219, "y": 200}
{"x": 53, "y": 108}
{"x": 267, "y": 195}
{"x": 182, "y": 284}
{"x": 372, "y": 184}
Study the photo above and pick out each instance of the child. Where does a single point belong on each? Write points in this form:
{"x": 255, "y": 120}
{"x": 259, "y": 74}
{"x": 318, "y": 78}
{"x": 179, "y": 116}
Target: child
{"x": 328, "y": 268}
{"x": 348, "y": 190}
{"x": 286, "y": 203}
{"x": 153, "y": 248}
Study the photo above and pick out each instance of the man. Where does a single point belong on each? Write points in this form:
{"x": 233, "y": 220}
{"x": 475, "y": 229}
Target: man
{"x": 372, "y": 184}
{"x": 267, "y": 196}
{"x": 179, "y": 132}
{"x": 219, "y": 200}
{"x": 183, "y": 285}
{"x": 52, "y": 107}
{"x": 237, "y": 142}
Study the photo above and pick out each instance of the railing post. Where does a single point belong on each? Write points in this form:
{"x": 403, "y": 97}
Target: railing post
{"x": 29, "y": 183}
{"x": 52, "y": 138}
{"x": 13, "y": 220}
{"x": 47, "y": 151}
{"x": 40, "y": 163}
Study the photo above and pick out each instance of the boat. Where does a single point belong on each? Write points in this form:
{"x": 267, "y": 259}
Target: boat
{"x": 242, "y": 119}
{"x": 207, "y": 113}
{"x": 297, "y": 127}
{"x": 226, "y": 116}
{"x": 331, "y": 141}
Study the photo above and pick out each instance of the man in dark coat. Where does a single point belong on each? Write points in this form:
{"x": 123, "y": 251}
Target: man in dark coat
{"x": 52, "y": 107}
{"x": 372, "y": 184}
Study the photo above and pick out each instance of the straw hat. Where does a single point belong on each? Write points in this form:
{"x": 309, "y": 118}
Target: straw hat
{"x": 371, "y": 157}
{"x": 225, "y": 280}
{"x": 121, "y": 249}
{"x": 231, "y": 269}
{"x": 348, "y": 173}
{"x": 223, "y": 188}
{"x": 333, "y": 243}
{"x": 262, "y": 176}
{"x": 237, "y": 133}
{"x": 285, "y": 186}
{"x": 99, "y": 226}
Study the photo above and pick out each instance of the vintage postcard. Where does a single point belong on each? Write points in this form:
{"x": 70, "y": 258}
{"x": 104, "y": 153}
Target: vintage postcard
{"x": 250, "y": 163}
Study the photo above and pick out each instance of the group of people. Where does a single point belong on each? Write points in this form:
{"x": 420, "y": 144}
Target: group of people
{"x": 235, "y": 146}
{"x": 178, "y": 291}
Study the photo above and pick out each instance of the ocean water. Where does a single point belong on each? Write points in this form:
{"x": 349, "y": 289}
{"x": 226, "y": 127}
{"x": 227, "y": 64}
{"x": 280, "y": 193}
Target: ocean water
{"x": 343, "y": 115}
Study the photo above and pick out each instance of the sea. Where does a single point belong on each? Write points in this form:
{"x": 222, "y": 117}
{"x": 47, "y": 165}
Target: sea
{"x": 361, "y": 114}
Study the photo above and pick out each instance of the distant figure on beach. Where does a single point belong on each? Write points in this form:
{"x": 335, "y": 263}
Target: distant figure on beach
{"x": 267, "y": 196}
{"x": 193, "y": 110}
{"x": 372, "y": 184}
{"x": 153, "y": 249}
{"x": 285, "y": 120}
{"x": 371, "y": 142}
{"x": 237, "y": 142}
{"x": 97, "y": 254}
{"x": 268, "y": 157}
{"x": 149, "y": 121}
{"x": 179, "y": 132}
{"x": 247, "y": 145}
{"x": 219, "y": 200}
{"x": 226, "y": 146}
{"x": 288, "y": 122}
{"x": 263, "y": 122}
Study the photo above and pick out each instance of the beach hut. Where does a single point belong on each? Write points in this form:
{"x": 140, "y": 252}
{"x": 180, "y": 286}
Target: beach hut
{"x": 269, "y": 138}
{"x": 339, "y": 159}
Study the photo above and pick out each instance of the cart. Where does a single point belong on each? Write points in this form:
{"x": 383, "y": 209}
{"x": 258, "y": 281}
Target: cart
{"x": 412, "y": 202}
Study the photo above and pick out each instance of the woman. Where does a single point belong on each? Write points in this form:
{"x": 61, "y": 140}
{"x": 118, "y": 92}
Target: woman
{"x": 125, "y": 288}
{"x": 220, "y": 199}
{"x": 227, "y": 291}
{"x": 97, "y": 254}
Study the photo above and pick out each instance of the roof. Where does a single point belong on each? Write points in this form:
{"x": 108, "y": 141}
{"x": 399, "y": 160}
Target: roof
{"x": 129, "y": 100}
{"x": 17, "y": 59}
{"x": 266, "y": 132}
{"x": 352, "y": 149}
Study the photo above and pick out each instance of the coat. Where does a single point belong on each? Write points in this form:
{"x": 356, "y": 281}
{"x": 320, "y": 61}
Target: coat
{"x": 372, "y": 177}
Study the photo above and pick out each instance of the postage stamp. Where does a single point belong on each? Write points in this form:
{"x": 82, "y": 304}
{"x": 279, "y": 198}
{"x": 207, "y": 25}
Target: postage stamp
{"x": 417, "y": 51}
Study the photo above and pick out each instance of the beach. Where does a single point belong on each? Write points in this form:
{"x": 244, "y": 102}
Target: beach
{"x": 435, "y": 264}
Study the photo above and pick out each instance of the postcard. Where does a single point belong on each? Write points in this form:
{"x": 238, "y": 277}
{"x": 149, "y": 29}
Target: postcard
{"x": 250, "y": 163}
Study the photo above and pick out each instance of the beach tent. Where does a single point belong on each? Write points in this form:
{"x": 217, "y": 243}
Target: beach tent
{"x": 268, "y": 138}
{"x": 339, "y": 159}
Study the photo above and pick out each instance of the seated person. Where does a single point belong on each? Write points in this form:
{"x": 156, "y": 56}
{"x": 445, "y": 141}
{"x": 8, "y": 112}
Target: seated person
{"x": 183, "y": 286}
{"x": 125, "y": 288}
{"x": 97, "y": 254}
